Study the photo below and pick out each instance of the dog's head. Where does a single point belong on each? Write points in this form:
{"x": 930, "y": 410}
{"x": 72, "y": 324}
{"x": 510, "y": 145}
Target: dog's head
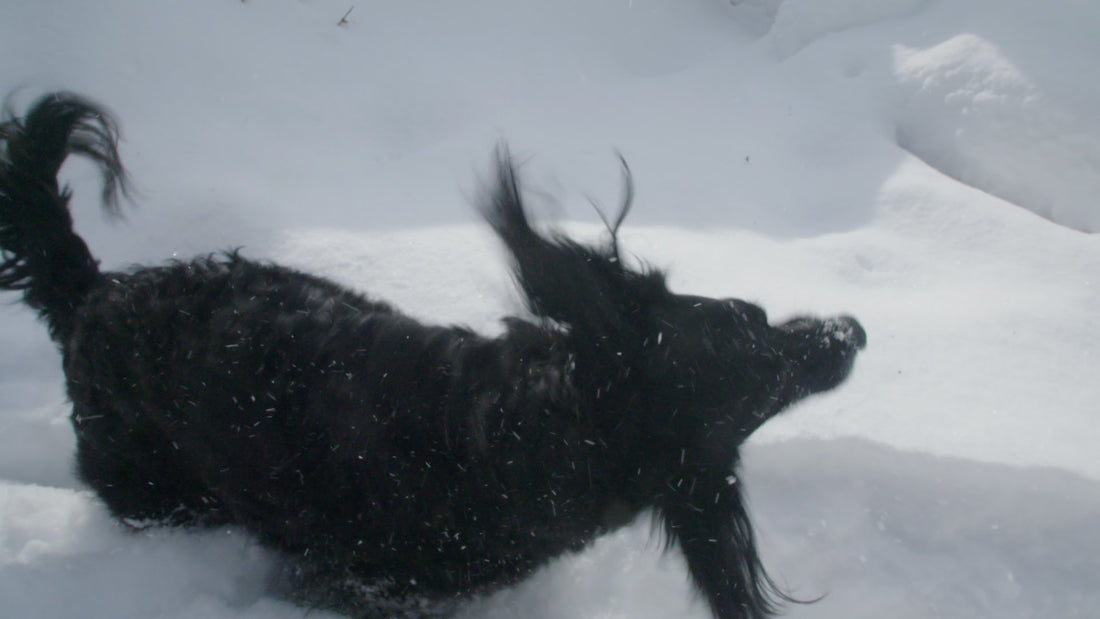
{"x": 674, "y": 383}
{"x": 718, "y": 363}
{"x": 721, "y": 361}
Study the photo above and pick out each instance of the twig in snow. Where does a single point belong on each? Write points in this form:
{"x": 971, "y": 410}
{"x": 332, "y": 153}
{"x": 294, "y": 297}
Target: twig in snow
{"x": 344, "y": 20}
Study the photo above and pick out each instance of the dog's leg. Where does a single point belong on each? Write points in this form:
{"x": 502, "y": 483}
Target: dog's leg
{"x": 707, "y": 517}
{"x": 136, "y": 473}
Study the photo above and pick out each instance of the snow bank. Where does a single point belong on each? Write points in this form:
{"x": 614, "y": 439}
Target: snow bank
{"x": 969, "y": 112}
{"x": 979, "y": 90}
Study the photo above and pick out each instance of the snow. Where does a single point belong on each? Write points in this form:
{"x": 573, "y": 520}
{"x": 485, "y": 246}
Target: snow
{"x": 971, "y": 113}
{"x": 929, "y": 167}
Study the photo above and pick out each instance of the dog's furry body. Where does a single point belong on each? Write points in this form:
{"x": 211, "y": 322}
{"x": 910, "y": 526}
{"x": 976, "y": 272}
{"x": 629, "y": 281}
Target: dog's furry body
{"x": 426, "y": 462}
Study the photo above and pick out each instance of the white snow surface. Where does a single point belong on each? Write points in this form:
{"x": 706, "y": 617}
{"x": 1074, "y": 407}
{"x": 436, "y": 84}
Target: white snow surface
{"x": 930, "y": 167}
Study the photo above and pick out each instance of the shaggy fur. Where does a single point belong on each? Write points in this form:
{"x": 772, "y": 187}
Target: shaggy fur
{"x": 401, "y": 464}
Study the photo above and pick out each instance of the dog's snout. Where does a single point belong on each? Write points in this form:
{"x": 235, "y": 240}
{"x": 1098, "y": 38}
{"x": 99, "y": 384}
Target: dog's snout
{"x": 848, "y": 329}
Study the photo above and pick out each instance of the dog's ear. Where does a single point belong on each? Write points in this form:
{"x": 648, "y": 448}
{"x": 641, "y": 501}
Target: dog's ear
{"x": 718, "y": 544}
{"x": 586, "y": 288}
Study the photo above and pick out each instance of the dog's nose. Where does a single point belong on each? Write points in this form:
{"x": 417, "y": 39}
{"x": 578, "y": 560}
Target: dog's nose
{"x": 848, "y": 329}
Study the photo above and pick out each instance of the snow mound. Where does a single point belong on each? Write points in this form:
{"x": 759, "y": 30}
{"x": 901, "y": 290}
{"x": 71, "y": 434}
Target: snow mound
{"x": 967, "y": 110}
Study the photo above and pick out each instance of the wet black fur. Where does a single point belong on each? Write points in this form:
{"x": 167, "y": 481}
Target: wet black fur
{"x": 405, "y": 464}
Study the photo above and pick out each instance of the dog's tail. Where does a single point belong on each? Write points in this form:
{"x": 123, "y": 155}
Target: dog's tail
{"x": 39, "y": 252}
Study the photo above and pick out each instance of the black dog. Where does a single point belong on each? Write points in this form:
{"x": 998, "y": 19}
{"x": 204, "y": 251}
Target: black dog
{"x": 415, "y": 462}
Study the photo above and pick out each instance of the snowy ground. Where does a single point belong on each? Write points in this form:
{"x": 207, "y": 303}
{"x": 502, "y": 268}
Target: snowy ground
{"x": 931, "y": 167}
